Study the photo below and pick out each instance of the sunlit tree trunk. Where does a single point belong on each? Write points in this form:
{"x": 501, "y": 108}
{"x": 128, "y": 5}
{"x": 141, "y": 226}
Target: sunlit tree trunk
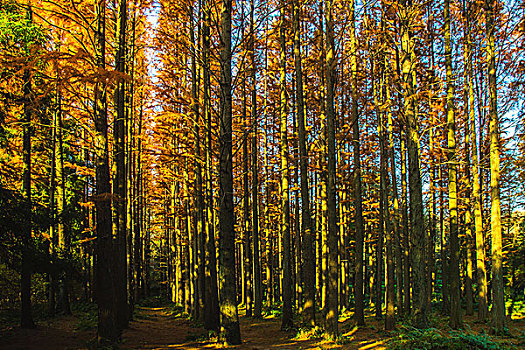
{"x": 377, "y": 87}
{"x": 481, "y": 271}
{"x": 468, "y": 211}
{"x": 332, "y": 295}
{"x": 405, "y": 228}
{"x": 498, "y": 293}
{"x": 358, "y": 204}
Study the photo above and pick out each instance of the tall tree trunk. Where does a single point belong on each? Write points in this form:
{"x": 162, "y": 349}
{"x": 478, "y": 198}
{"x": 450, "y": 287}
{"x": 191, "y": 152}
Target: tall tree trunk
{"x": 468, "y": 183}
{"x": 120, "y": 163}
{"x": 227, "y": 281}
{"x": 199, "y": 202}
{"x": 323, "y": 215}
{"x": 246, "y": 210}
{"x": 287, "y": 321}
{"x": 332, "y": 295}
{"x": 51, "y": 297}
{"x": 387, "y": 224}
{"x": 377, "y": 87}
{"x": 455, "y": 303}
{"x": 130, "y": 120}
{"x": 481, "y": 271}
{"x": 498, "y": 293}
{"x": 307, "y": 229}
{"x": 415, "y": 186}
{"x": 211, "y": 312}
{"x": 26, "y": 320}
{"x": 398, "y": 266}
{"x": 107, "y": 331}
{"x": 63, "y": 239}
{"x": 404, "y": 222}
{"x": 358, "y": 200}
{"x": 257, "y": 279}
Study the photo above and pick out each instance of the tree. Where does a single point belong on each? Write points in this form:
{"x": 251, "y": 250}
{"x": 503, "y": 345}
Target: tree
{"x": 257, "y": 283}
{"x": 359, "y": 237}
{"x": 419, "y": 310}
{"x": 307, "y": 229}
{"x": 332, "y": 306}
{"x": 227, "y": 283}
{"x": 120, "y": 176}
{"x": 107, "y": 330}
{"x": 455, "y": 307}
{"x": 498, "y": 303}
{"x": 287, "y": 321}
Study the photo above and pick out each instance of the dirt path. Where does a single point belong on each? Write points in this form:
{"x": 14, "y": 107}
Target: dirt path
{"x": 155, "y": 329}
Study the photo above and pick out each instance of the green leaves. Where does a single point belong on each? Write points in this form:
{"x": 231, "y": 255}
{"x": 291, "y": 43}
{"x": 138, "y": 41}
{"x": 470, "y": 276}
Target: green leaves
{"x": 433, "y": 339}
{"x": 18, "y": 32}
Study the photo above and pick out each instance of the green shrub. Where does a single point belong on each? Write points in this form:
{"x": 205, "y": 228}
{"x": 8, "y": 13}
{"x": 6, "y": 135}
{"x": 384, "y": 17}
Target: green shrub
{"x": 433, "y": 339}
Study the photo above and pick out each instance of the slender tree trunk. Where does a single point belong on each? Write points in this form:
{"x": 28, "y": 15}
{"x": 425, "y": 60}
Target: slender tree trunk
{"x": 481, "y": 271}
{"x": 498, "y": 293}
{"x": 51, "y": 298}
{"x": 62, "y": 233}
{"x": 387, "y": 224}
{"x": 358, "y": 201}
{"x": 307, "y": 229}
{"x": 287, "y": 321}
{"x": 107, "y": 331}
{"x": 257, "y": 279}
{"x": 332, "y": 295}
{"x": 455, "y": 286}
{"x": 120, "y": 163}
{"x": 415, "y": 186}
{"x": 377, "y": 87}
{"x": 26, "y": 320}
{"x": 211, "y": 312}
{"x": 398, "y": 266}
{"x": 468, "y": 183}
{"x": 404, "y": 220}
{"x": 227, "y": 281}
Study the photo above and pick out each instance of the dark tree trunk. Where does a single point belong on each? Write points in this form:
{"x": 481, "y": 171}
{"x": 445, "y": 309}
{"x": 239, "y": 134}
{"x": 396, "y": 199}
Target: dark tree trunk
{"x": 107, "y": 331}
{"x": 227, "y": 281}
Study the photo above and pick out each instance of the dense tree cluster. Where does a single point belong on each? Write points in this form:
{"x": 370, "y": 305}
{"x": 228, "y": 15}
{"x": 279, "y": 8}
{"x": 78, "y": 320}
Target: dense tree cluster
{"x": 320, "y": 156}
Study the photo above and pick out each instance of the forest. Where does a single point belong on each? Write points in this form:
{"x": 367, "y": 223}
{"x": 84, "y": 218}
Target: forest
{"x": 259, "y": 174}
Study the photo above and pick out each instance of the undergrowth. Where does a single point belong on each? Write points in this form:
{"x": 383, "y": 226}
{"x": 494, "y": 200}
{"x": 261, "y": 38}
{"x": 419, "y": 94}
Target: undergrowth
{"x": 434, "y": 339}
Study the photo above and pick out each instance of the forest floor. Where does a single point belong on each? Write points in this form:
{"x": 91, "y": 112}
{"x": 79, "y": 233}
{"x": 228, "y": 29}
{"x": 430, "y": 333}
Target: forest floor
{"x": 163, "y": 327}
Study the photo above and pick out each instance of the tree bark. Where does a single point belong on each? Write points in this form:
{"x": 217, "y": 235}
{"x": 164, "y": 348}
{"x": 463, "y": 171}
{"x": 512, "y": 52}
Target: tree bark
{"x": 415, "y": 186}
{"x": 227, "y": 281}
{"x": 455, "y": 303}
{"x": 332, "y": 295}
{"x": 120, "y": 163}
{"x": 107, "y": 331}
{"x": 26, "y": 313}
{"x": 498, "y": 293}
{"x": 358, "y": 200}
{"x": 287, "y": 321}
